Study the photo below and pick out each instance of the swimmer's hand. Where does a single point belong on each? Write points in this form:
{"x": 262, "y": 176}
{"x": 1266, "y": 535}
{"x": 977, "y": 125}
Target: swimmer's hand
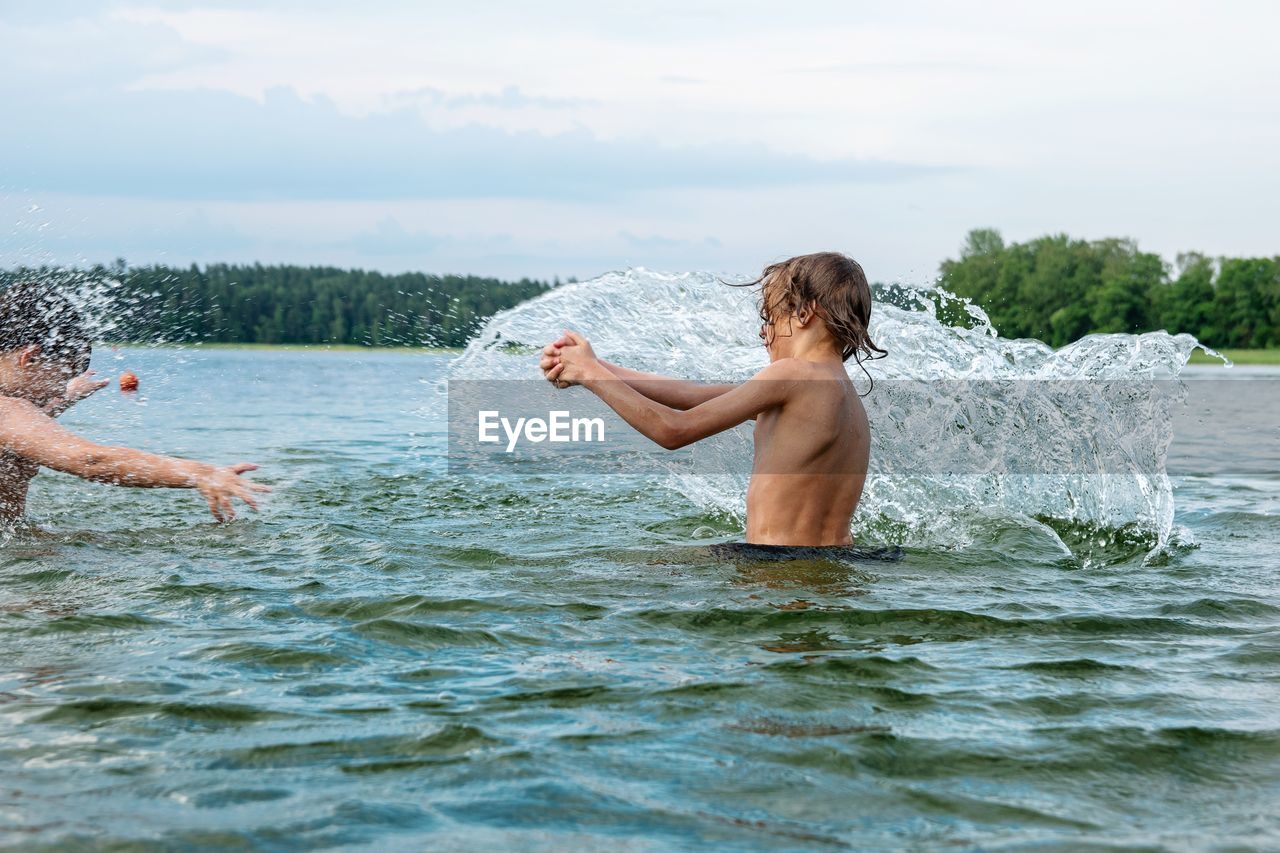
{"x": 219, "y": 484}
{"x": 551, "y": 361}
{"x": 83, "y": 386}
{"x": 571, "y": 361}
{"x": 77, "y": 389}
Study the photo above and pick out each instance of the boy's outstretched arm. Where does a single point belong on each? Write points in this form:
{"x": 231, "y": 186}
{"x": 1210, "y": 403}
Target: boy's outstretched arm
{"x": 676, "y": 393}
{"x": 672, "y": 428}
{"x": 34, "y": 436}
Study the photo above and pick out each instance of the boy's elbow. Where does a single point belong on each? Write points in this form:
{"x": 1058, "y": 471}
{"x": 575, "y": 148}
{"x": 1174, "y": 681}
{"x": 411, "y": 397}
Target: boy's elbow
{"x": 91, "y": 466}
{"x": 94, "y": 465}
{"x": 670, "y": 442}
{"x": 674, "y": 435}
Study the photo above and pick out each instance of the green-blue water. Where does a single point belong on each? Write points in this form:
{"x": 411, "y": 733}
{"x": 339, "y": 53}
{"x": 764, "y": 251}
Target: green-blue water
{"x": 396, "y": 657}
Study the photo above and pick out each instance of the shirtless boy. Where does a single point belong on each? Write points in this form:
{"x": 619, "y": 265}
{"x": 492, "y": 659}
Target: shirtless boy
{"x": 44, "y": 360}
{"x": 812, "y": 439}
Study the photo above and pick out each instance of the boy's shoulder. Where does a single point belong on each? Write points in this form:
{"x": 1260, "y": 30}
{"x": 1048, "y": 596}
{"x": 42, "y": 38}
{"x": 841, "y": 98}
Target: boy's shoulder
{"x": 12, "y": 404}
{"x": 18, "y": 414}
{"x": 807, "y": 382}
{"x": 799, "y": 368}
{"x": 16, "y": 405}
{"x": 783, "y": 368}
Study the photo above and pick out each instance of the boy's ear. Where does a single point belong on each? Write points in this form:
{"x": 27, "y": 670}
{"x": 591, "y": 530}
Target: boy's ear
{"x": 27, "y": 354}
{"x": 805, "y": 314}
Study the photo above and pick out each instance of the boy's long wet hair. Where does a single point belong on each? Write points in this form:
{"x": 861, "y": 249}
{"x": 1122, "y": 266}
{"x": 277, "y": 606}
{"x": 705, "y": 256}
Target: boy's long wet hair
{"x": 37, "y": 313}
{"x": 834, "y": 287}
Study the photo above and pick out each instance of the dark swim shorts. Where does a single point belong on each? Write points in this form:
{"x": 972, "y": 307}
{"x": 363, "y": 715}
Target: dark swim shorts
{"x": 841, "y": 553}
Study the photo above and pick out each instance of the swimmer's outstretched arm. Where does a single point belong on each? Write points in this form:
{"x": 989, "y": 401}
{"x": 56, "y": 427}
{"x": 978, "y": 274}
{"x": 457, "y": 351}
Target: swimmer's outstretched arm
{"x": 37, "y": 438}
{"x": 676, "y": 393}
{"x": 669, "y": 427}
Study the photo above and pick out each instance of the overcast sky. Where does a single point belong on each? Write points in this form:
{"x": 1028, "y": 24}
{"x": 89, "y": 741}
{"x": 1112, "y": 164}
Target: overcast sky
{"x": 569, "y": 138}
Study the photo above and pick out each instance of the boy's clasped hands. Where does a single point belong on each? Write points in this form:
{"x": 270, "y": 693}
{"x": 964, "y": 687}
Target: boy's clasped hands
{"x": 570, "y": 360}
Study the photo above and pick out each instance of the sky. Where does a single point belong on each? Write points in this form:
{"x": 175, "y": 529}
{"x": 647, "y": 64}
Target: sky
{"x": 568, "y": 138}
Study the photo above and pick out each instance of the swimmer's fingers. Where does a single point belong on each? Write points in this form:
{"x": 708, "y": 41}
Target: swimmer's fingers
{"x": 553, "y": 376}
{"x": 548, "y": 362}
{"x": 215, "y": 508}
{"x": 84, "y": 385}
{"x": 89, "y": 385}
{"x": 223, "y": 485}
{"x": 246, "y": 490}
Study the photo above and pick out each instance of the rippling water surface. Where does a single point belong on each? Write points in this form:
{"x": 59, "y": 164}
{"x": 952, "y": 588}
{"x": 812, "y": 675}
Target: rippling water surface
{"x": 390, "y": 655}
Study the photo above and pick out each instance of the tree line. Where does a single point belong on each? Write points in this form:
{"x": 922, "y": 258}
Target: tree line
{"x": 1058, "y": 289}
{"x": 285, "y": 304}
{"x": 1054, "y": 288}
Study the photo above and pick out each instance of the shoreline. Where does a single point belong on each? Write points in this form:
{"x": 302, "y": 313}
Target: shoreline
{"x": 1239, "y": 357}
{"x": 287, "y": 347}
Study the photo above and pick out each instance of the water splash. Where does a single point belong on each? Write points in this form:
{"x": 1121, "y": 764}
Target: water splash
{"x": 922, "y": 488}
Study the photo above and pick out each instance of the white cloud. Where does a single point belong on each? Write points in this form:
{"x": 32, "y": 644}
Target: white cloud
{"x": 1157, "y": 121}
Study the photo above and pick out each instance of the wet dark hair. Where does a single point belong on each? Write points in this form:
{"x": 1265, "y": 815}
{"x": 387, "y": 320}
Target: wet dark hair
{"x": 40, "y": 314}
{"x": 834, "y": 287}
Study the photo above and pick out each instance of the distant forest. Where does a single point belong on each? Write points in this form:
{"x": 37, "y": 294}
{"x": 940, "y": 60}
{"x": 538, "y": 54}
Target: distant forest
{"x": 1053, "y": 288}
{"x": 1058, "y": 289}
{"x": 279, "y": 304}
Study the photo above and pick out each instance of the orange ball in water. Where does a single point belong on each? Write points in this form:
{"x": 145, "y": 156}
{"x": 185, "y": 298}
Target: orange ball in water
{"x": 128, "y": 381}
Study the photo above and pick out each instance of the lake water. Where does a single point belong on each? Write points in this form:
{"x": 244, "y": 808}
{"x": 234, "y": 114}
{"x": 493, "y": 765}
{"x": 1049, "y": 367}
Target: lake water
{"x": 392, "y": 655}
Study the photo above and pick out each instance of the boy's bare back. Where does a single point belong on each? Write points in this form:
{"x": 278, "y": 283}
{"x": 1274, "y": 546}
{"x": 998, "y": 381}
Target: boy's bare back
{"x": 810, "y": 463}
